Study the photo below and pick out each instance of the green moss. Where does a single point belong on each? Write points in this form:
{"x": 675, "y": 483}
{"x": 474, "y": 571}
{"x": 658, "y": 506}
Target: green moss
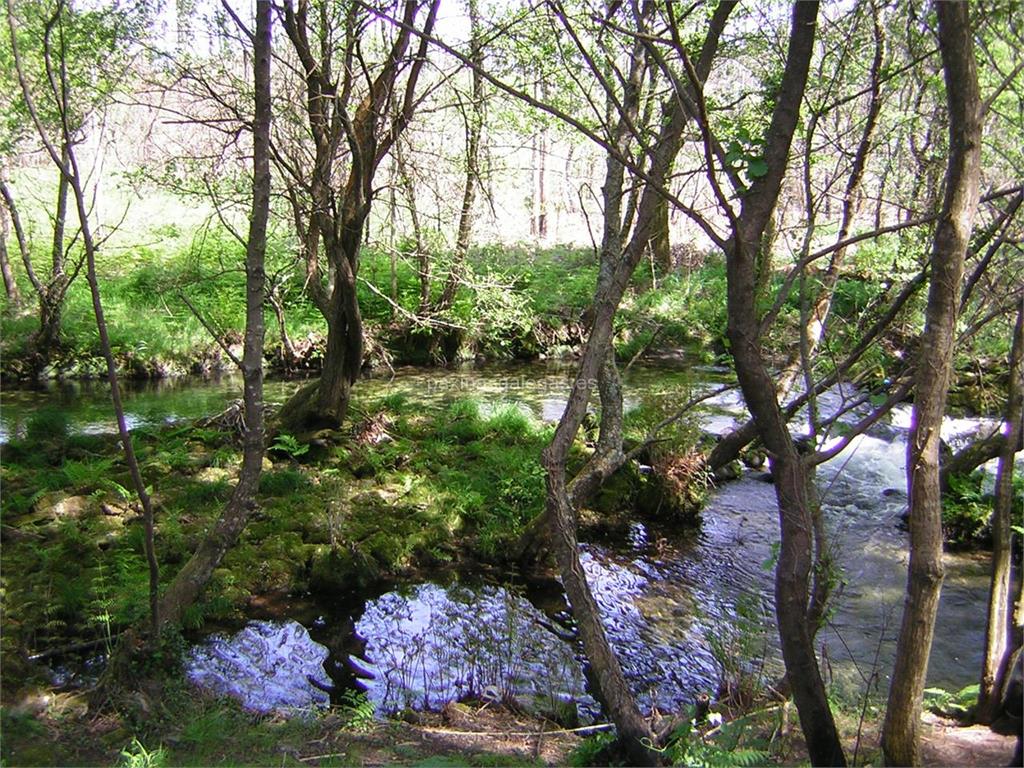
{"x": 282, "y": 482}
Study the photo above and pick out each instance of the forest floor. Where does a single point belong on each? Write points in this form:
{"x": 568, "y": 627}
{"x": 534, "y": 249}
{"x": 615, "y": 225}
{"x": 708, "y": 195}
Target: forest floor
{"x": 56, "y": 729}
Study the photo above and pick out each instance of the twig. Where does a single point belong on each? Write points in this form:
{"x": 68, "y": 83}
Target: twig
{"x": 873, "y": 679}
{"x": 645, "y": 347}
{"x": 84, "y": 646}
{"x": 216, "y": 337}
{"x": 428, "y": 321}
{"x": 582, "y": 729}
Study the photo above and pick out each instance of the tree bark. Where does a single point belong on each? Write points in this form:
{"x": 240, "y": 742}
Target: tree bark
{"x": 791, "y": 474}
{"x": 661, "y": 246}
{"x": 336, "y": 216}
{"x": 973, "y": 455}
{"x": 997, "y": 631}
{"x": 617, "y": 265}
{"x": 55, "y": 53}
{"x": 51, "y": 302}
{"x": 189, "y": 582}
{"x": 10, "y": 284}
{"x": 901, "y": 730}
{"x": 474, "y": 127}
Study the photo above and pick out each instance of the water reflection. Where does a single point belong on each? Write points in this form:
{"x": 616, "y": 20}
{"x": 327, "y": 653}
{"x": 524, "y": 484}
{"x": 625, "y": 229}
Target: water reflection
{"x": 268, "y": 666}
{"x": 429, "y": 645}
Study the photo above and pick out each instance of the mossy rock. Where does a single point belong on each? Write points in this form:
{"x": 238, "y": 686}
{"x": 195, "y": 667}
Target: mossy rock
{"x": 53, "y": 508}
{"x": 620, "y": 492}
{"x": 390, "y": 551}
{"x": 334, "y": 570}
{"x": 658, "y": 500}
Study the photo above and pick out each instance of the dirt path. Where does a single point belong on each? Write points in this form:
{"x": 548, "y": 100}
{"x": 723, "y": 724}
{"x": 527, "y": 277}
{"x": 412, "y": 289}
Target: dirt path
{"x": 946, "y": 743}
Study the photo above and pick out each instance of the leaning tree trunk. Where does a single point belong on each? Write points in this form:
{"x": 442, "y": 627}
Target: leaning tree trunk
{"x": 189, "y": 582}
{"x": 617, "y": 265}
{"x": 997, "y": 631}
{"x": 792, "y": 479}
{"x": 55, "y": 59}
{"x": 901, "y": 730}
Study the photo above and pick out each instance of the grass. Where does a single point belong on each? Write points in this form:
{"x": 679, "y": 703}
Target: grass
{"x": 518, "y": 302}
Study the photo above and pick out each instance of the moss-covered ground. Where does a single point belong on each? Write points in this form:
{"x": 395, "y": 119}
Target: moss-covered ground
{"x": 405, "y": 491}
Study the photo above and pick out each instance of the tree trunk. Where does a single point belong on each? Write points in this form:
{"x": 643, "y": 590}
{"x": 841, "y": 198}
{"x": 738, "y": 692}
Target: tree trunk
{"x": 51, "y": 302}
{"x": 997, "y": 630}
{"x": 10, "y": 284}
{"x": 337, "y": 213}
{"x": 791, "y": 475}
{"x": 974, "y": 454}
{"x": 729, "y": 447}
{"x": 474, "y": 127}
{"x": 422, "y": 256}
{"x": 901, "y": 730}
{"x": 189, "y": 582}
{"x": 617, "y": 265}
{"x": 343, "y": 360}
{"x": 288, "y": 348}
{"x": 661, "y": 246}
{"x": 19, "y": 234}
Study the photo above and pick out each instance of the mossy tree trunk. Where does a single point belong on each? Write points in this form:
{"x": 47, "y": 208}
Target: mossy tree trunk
{"x": 189, "y": 582}
{"x": 350, "y": 127}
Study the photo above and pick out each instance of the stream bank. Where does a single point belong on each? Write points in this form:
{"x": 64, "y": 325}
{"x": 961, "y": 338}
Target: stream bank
{"x": 367, "y": 544}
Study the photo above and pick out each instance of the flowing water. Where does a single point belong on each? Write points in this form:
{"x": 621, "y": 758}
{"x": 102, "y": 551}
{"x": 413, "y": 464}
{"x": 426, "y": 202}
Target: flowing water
{"x": 681, "y": 611}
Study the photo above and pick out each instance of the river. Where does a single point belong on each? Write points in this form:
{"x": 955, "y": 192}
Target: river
{"x": 682, "y": 610}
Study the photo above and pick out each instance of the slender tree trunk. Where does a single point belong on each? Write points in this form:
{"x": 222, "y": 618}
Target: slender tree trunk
{"x": 52, "y": 302}
{"x": 71, "y": 179}
{"x": 791, "y": 475}
{"x": 729, "y": 447}
{"x": 901, "y": 730}
{"x": 10, "y": 284}
{"x": 997, "y": 631}
{"x": 617, "y": 265}
{"x": 392, "y": 249}
{"x": 422, "y": 256}
{"x": 474, "y": 127}
{"x": 291, "y": 357}
{"x": 19, "y": 234}
{"x": 189, "y": 582}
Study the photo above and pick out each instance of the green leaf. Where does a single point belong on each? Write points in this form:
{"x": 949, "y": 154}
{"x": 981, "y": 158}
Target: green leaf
{"x": 734, "y": 154}
{"x": 757, "y": 167}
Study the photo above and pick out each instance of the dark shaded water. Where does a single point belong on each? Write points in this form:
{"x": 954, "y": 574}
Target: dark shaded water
{"x": 678, "y": 611}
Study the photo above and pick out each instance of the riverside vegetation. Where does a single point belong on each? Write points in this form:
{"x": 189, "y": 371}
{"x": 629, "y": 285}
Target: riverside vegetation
{"x": 405, "y": 492}
{"x": 813, "y": 206}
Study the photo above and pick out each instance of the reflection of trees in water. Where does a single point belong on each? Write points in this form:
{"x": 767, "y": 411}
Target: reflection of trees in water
{"x": 434, "y": 645}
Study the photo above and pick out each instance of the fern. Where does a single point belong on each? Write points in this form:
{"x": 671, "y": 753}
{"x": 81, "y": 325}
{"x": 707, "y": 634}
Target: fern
{"x": 290, "y": 446}
{"x": 740, "y": 757}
